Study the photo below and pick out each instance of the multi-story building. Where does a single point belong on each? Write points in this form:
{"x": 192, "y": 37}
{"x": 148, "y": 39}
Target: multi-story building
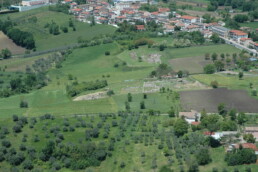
{"x": 221, "y": 31}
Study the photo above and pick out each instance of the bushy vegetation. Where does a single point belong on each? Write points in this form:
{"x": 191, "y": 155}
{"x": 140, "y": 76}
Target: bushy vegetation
{"x": 76, "y": 88}
{"x": 21, "y": 38}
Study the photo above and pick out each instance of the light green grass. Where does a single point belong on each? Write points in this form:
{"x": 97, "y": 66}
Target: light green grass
{"x": 253, "y": 25}
{"x": 44, "y": 40}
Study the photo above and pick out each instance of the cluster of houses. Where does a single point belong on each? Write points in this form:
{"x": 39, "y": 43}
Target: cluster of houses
{"x": 129, "y": 10}
{"x": 193, "y": 118}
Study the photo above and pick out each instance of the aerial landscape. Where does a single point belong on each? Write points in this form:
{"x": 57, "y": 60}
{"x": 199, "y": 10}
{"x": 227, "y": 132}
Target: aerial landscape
{"x": 129, "y": 85}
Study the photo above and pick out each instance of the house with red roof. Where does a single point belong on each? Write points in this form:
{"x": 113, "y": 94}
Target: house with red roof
{"x": 244, "y": 146}
{"x": 164, "y": 10}
{"x": 192, "y": 28}
{"x": 245, "y": 41}
{"x": 188, "y": 19}
{"x": 236, "y": 35}
{"x": 140, "y": 27}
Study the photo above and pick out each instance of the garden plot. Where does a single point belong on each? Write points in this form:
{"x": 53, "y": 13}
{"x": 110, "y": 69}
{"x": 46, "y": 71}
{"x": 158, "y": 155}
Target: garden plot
{"x": 92, "y": 96}
{"x": 149, "y": 58}
{"x": 174, "y": 84}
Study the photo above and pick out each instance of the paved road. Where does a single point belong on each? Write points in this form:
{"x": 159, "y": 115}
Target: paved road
{"x": 239, "y": 46}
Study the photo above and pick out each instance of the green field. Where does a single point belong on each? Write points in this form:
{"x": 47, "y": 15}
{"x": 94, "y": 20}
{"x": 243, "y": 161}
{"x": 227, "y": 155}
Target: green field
{"x": 45, "y": 40}
{"x": 230, "y": 81}
{"x": 253, "y": 25}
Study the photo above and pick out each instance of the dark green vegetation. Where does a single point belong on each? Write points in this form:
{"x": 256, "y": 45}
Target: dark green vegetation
{"x": 109, "y": 142}
{"x": 21, "y": 38}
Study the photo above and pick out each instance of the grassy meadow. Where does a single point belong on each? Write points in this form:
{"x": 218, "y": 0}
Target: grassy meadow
{"x": 44, "y": 40}
{"x": 90, "y": 64}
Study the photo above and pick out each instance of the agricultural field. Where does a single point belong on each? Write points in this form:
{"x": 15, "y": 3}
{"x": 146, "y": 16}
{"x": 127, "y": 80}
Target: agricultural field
{"x": 231, "y": 81}
{"x": 19, "y": 64}
{"x": 191, "y": 64}
{"x": 44, "y": 40}
{"x": 125, "y": 142}
{"x": 210, "y": 99}
{"x": 190, "y": 58}
{"x": 5, "y": 42}
{"x": 253, "y": 25}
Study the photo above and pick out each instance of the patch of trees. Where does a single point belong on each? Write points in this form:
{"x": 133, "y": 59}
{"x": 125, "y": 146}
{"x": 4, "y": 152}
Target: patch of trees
{"x": 240, "y": 18}
{"x": 35, "y": 76}
{"x": 21, "y": 38}
{"x": 63, "y": 8}
{"x": 162, "y": 69}
{"x": 240, "y": 156}
{"x": 235, "y": 4}
{"x": 5, "y": 54}
{"x": 185, "y": 39}
{"x": 149, "y": 8}
{"x": 76, "y": 88}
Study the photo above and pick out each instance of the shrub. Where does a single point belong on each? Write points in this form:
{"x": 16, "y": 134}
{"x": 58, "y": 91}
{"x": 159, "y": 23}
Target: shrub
{"x": 214, "y": 84}
{"x": 107, "y": 53}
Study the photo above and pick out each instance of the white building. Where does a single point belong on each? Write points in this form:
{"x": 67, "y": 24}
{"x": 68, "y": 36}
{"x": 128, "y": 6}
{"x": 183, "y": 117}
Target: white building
{"x": 34, "y": 2}
{"x": 190, "y": 117}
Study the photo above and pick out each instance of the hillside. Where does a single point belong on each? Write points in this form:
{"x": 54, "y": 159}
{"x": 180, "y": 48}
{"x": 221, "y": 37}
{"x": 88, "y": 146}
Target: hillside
{"x": 34, "y": 21}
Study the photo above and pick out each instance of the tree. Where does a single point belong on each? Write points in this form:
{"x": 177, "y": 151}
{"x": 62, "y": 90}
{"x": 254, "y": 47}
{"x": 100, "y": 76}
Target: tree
{"x": 162, "y": 47}
{"x": 214, "y": 56}
{"x": 23, "y": 104}
{"x": 219, "y": 65}
{"x": 240, "y": 75}
{"x": 180, "y": 127}
{"x": 171, "y": 113}
{"x": 129, "y": 97}
{"x": 254, "y": 93}
{"x": 28, "y": 165}
{"x": 207, "y": 56}
{"x": 127, "y": 106}
{"x": 232, "y": 114}
{"x": 6, "y": 53}
{"x": 180, "y": 74}
{"x": 17, "y": 128}
{"x": 144, "y": 96}
{"x": 222, "y": 56}
{"x": 209, "y": 69}
{"x": 214, "y": 84}
{"x": 15, "y": 118}
{"x": 221, "y": 109}
{"x": 249, "y": 138}
{"x": 241, "y": 118}
{"x": 215, "y": 38}
{"x": 203, "y": 156}
{"x": 142, "y": 105}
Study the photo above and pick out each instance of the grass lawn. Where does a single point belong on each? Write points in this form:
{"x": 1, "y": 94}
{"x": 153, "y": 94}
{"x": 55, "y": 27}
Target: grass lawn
{"x": 230, "y": 81}
{"x": 45, "y": 40}
{"x": 253, "y": 25}
{"x": 19, "y": 64}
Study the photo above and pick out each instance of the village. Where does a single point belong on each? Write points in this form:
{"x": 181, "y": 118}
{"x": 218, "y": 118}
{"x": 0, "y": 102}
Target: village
{"x": 129, "y": 10}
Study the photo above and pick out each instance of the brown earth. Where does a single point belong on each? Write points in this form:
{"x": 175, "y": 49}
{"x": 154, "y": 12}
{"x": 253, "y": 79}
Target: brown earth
{"x": 5, "y": 42}
{"x": 210, "y": 99}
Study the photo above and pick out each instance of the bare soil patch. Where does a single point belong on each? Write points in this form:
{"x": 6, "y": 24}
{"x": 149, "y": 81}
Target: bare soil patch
{"x": 210, "y": 99}
{"x": 92, "y": 96}
{"x": 152, "y": 58}
{"x": 191, "y": 64}
{"x": 5, "y": 42}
